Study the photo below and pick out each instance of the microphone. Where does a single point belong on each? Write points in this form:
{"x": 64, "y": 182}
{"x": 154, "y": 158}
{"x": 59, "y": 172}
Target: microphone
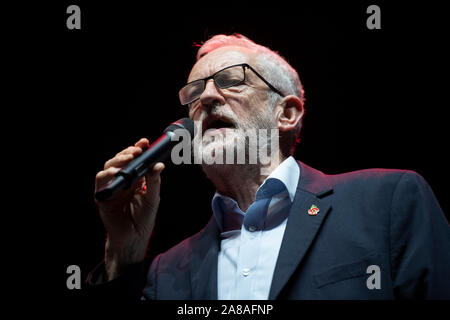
{"x": 137, "y": 168}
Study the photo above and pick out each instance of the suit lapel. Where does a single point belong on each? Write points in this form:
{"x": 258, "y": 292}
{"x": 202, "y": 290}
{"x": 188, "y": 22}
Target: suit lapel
{"x": 203, "y": 263}
{"x": 301, "y": 228}
{"x": 300, "y": 232}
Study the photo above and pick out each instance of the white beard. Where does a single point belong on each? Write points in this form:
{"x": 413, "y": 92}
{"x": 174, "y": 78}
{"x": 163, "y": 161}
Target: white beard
{"x": 233, "y": 150}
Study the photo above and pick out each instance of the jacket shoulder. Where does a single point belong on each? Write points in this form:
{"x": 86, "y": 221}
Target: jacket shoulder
{"x": 376, "y": 187}
{"x": 377, "y": 176}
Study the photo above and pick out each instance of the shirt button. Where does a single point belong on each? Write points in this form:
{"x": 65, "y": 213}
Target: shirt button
{"x": 245, "y": 272}
{"x": 252, "y": 228}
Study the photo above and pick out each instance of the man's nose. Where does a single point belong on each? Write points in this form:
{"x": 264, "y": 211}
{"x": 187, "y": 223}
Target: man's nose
{"x": 211, "y": 95}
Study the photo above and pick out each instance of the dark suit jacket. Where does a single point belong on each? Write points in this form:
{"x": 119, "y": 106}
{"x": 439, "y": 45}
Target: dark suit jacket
{"x": 387, "y": 218}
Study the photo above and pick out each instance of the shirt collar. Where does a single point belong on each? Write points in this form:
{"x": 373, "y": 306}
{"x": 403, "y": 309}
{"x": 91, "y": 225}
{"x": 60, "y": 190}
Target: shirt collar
{"x": 287, "y": 172}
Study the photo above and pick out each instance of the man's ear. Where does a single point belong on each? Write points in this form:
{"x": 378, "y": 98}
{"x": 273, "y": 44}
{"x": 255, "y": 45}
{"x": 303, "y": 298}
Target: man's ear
{"x": 289, "y": 113}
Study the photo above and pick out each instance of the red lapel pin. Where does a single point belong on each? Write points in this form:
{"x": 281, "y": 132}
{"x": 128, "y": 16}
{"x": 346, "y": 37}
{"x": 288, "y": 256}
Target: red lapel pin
{"x": 314, "y": 210}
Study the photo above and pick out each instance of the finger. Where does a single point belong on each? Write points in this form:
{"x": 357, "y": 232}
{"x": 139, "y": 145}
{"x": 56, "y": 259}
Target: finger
{"x": 149, "y": 179}
{"x": 103, "y": 177}
{"x": 153, "y": 184}
{"x": 135, "y": 151}
{"x": 143, "y": 144}
{"x": 157, "y": 168}
{"x": 119, "y": 161}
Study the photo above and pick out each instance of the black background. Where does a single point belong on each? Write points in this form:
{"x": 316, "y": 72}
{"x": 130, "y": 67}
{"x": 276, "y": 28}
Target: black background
{"x": 374, "y": 98}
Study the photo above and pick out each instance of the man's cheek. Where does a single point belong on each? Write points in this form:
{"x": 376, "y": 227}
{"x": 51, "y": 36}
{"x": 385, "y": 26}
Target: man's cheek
{"x": 195, "y": 112}
{"x": 257, "y": 102}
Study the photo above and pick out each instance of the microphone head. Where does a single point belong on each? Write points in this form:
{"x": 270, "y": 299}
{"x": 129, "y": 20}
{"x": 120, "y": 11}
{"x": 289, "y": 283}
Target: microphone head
{"x": 184, "y": 123}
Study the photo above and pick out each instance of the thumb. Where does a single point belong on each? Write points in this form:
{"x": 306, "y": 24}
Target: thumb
{"x": 153, "y": 186}
{"x": 147, "y": 200}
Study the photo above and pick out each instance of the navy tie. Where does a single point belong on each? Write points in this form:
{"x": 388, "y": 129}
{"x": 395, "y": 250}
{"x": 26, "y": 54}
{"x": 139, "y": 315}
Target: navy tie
{"x": 255, "y": 217}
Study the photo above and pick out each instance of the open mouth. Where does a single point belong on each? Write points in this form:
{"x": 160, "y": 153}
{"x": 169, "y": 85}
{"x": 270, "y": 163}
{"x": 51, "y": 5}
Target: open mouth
{"x": 217, "y": 124}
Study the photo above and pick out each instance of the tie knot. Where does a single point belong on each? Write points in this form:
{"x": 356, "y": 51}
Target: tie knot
{"x": 270, "y": 188}
{"x": 255, "y": 217}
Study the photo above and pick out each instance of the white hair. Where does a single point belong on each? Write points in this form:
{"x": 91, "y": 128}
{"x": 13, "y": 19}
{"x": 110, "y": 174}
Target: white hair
{"x": 272, "y": 66}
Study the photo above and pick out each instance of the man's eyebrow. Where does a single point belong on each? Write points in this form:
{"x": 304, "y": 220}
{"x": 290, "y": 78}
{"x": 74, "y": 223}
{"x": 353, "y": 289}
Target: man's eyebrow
{"x": 219, "y": 67}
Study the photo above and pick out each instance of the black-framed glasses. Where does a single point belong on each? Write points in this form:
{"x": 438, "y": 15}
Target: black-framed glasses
{"x": 228, "y": 77}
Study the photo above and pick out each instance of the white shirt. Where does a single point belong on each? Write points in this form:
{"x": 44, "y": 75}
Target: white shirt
{"x": 247, "y": 259}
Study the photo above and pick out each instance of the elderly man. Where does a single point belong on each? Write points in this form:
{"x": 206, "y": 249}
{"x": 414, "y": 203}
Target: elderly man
{"x": 291, "y": 233}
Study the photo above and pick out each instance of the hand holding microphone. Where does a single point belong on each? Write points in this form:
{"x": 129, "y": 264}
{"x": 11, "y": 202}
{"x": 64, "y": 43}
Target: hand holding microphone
{"x": 127, "y": 197}
{"x": 136, "y": 169}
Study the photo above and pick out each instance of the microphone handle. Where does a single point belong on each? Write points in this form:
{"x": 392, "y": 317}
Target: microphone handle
{"x": 136, "y": 169}
{"x": 111, "y": 188}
